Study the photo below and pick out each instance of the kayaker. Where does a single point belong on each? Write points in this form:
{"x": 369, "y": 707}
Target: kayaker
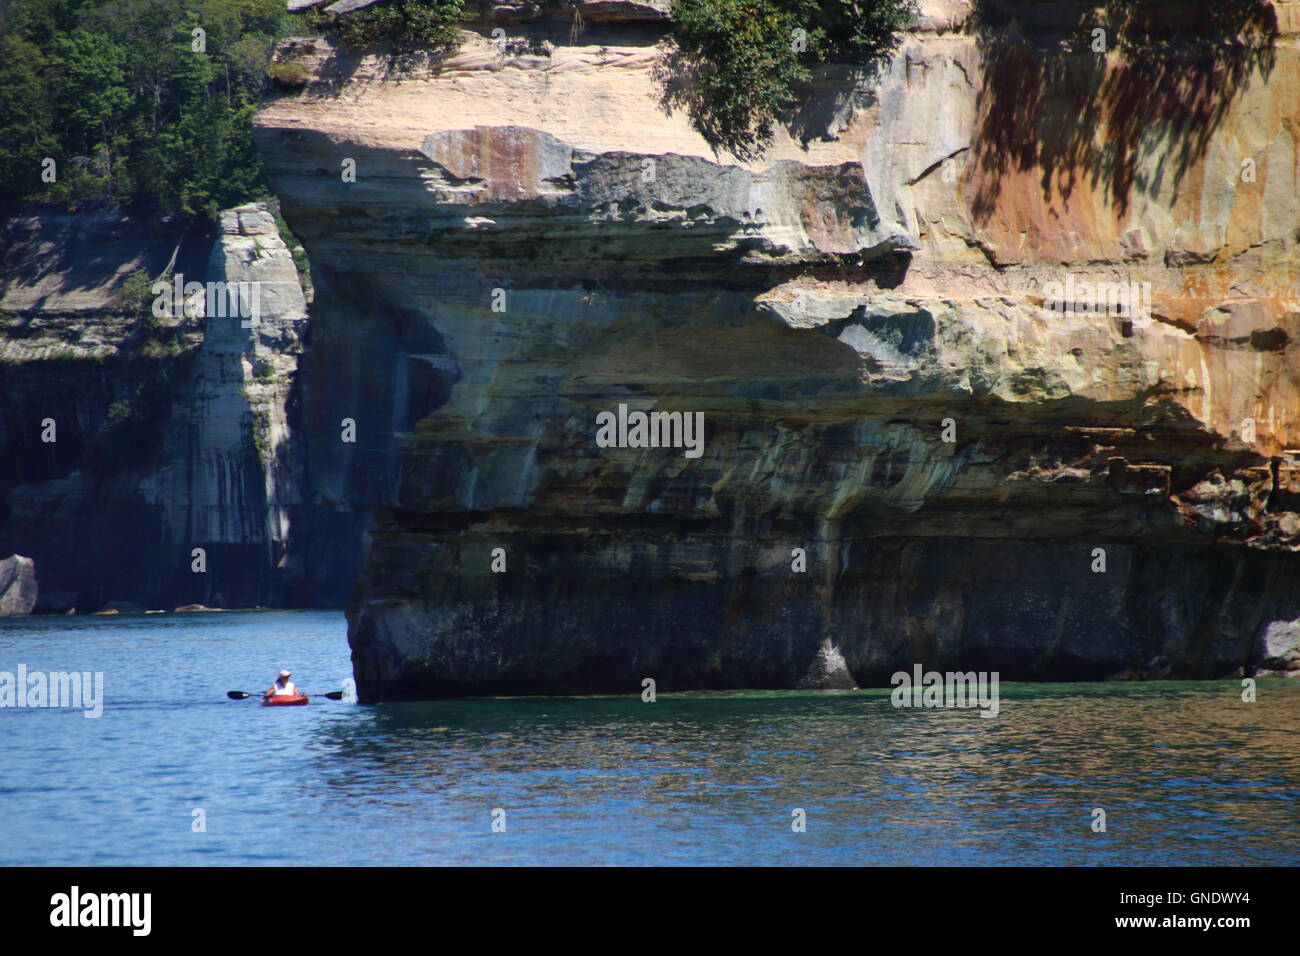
{"x": 283, "y": 686}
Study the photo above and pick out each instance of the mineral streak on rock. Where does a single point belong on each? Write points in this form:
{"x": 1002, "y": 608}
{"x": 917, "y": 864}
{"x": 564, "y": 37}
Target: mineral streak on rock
{"x": 861, "y": 318}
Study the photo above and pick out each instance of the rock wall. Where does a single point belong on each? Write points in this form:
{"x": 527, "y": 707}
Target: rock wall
{"x": 926, "y": 439}
{"x": 132, "y": 440}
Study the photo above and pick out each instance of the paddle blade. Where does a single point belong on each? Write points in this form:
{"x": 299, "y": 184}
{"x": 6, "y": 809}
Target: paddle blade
{"x": 332, "y": 695}
{"x": 237, "y": 694}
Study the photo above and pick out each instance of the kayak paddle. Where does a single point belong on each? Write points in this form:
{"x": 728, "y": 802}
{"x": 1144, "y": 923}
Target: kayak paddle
{"x": 240, "y": 695}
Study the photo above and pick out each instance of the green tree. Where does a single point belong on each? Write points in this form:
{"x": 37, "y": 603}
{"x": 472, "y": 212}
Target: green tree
{"x": 736, "y": 65}
{"x": 405, "y": 25}
{"x": 27, "y": 120}
{"x": 115, "y": 92}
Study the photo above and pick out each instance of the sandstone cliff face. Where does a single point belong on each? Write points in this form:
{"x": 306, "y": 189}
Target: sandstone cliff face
{"x": 864, "y": 317}
{"x": 162, "y": 442}
{"x": 231, "y": 471}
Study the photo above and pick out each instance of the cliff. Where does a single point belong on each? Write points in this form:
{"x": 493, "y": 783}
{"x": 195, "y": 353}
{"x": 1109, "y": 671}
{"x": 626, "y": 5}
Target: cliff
{"x": 134, "y": 440}
{"x": 892, "y": 324}
{"x": 994, "y": 351}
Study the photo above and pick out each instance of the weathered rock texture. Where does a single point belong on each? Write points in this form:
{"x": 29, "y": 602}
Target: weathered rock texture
{"x": 167, "y": 436}
{"x": 976, "y": 480}
{"x": 18, "y": 588}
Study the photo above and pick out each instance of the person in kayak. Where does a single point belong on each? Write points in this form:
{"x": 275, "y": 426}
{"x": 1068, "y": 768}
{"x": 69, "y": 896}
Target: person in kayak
{"x": 283, "y": 686}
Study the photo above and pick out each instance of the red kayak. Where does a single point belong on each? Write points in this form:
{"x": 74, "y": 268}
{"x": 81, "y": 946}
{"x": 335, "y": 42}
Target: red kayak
{"x": 285, "y": 700}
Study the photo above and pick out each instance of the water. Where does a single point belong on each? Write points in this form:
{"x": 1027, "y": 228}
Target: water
{"x": 1186, "y": 772}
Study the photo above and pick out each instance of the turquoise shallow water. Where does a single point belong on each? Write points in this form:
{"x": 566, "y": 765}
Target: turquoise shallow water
{"x": 1186, "y": 772}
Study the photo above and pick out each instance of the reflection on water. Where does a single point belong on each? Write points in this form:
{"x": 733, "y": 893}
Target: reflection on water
{"x": 1187, "y": 773}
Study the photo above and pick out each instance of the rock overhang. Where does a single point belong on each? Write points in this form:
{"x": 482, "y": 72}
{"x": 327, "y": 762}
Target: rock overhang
{"x": 831, "y": 319}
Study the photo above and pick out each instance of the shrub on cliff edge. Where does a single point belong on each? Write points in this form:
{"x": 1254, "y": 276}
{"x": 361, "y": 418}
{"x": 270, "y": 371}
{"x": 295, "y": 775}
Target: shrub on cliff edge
{"x": 735, "y": 65}
{"x": 406, "y": 25}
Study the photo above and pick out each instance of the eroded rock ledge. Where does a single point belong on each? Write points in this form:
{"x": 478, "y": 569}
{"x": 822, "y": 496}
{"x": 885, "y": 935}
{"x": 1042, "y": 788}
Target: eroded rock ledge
{"x": 867, "y": 337}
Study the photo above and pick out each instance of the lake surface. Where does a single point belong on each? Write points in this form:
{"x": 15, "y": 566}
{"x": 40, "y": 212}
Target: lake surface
{"x": 1186, "y": 772}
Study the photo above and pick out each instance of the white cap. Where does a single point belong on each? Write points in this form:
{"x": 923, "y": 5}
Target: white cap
{"x": 285, "y": 674}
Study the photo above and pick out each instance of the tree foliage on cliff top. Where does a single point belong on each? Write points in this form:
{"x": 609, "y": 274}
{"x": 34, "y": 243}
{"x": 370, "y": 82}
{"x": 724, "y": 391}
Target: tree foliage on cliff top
{"x": 406, "y": 25}
{"x": 735, "y": 65}
{"x": 116, "y": 94}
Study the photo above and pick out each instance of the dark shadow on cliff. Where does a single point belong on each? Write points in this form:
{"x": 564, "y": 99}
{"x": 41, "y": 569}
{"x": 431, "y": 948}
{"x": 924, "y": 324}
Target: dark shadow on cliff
{"x": 829, "y": 100}
{"x": 1172, "y": 66}
{"x": 84, "y": 250}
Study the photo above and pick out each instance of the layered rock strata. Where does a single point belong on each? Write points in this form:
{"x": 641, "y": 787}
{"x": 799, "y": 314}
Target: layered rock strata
{"x": 149, "y": 452}
{"x": 938, "y": 427}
